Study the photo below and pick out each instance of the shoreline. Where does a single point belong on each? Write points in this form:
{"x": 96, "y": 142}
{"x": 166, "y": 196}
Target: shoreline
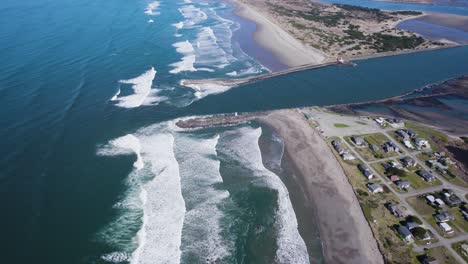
{"x": 344, "y": 232}
{"x": 287, "y": 49}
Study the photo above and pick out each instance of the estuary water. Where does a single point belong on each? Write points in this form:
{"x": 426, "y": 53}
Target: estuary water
{"x": 92, "y": 167}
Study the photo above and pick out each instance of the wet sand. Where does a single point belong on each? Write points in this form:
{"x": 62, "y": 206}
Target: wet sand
{"x": 344, "y": 232}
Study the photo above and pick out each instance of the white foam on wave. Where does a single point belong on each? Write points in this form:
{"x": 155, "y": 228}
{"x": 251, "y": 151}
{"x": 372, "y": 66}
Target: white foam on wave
{"x": 127, "y": 144}
{"x": 199, "y": 169}
{"x": 150, "y": 21}
{"x": 152, "y": 204}
{"x": 246, "y": 150}
{"x": 205, "y": 89}
{"x": 208, "y": 51}
{"x": 141, "y": 87}
{"x": 193, "y": 15}
{"x": 178, "y": 25}
{"x": 187, "y": 62}
{"x": 116, "y": 95}
{"x": 151, "y": 8}
{"x": 159, "y": 238}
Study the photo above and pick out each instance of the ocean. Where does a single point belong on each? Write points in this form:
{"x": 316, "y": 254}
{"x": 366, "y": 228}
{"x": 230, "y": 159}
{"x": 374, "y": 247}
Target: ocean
{"x": 93, "y": 169}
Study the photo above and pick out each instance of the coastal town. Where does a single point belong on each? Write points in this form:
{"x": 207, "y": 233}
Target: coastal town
{"x": 408, "y": 191}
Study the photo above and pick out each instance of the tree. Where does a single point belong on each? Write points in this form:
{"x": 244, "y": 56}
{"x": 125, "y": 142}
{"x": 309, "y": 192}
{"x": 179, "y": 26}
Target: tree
{"x": 412, "y": 218}
{"x": 396, "y": 171}
{"x": 419, "y": 232}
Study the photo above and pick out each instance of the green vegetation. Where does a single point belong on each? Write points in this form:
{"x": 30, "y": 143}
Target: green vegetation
{"x": 407, "y": 13}
{"x": 442, "y": 255}
{"x": 465, "y": 139}
{"x": 458, "y": 248}
{"x": 340, "y": 125}
{"x": 412, "y": 218}
{"x": 386, "y": 42}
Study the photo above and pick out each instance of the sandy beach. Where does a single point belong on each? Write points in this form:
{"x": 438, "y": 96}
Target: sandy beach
{"x": 344, "y": 232}
{"x": 273, "y": 38}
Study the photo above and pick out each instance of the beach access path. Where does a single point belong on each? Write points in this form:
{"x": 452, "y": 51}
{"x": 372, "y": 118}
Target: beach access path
{"x": 344, "y": 232}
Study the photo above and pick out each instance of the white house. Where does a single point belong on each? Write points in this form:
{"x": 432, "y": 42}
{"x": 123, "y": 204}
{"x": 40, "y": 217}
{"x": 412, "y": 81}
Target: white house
{"x": 446, "y": 228}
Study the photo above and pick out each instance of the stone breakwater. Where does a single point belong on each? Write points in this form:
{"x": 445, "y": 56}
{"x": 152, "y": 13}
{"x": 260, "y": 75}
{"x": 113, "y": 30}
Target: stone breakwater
{"x": 218, "y": 120}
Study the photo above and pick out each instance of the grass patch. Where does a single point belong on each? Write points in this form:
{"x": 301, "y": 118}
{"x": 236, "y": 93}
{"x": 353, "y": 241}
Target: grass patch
{"x": 442, "y": 255}
{"x": 340, "y": 125}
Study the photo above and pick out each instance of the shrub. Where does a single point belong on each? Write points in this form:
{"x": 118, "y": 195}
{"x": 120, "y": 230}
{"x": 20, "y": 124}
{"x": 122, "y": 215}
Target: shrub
{"x": 412, "y": 218}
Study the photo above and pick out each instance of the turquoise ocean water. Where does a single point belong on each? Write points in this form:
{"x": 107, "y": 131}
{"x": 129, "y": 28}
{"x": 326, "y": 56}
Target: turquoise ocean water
{"x": 92, "y": 168}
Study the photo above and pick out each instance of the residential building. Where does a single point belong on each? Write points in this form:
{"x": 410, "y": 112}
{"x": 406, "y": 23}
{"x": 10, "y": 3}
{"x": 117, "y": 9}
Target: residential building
{"x": 405, "y": 233}
{"x": 403, "y": 184}
{"x": 394, "y": 178}
{"x": 430, "y": 198}
{"x": 367, "y": 173}
{"x": 443, "y": 217}
{"x": 396, "y": 210}
{"x": 421, "y": 143}
{"x": 374, "y": 147}
{"x": 446, "y": 228}
{"x": 408, "y": 162}
{"x": 439, "y": 202}
{"x": 374, "y": 188}
{"x": 359, "y": 141}
{"x": 410, "y": 133}
{"x": 411, "y": 225}
{"x": 403, "y": 134}
{"x": 348, "y": 156}
{"x": 426, "y": 175}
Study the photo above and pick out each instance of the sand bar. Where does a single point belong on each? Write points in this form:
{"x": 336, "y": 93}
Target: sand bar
{"x": 280, "y": 43}
{"x": 344, "y": 232}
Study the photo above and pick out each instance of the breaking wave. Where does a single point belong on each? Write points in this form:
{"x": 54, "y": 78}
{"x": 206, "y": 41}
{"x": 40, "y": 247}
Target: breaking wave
{"x": 245, "y": 149}
{"x": 141, "y": 87}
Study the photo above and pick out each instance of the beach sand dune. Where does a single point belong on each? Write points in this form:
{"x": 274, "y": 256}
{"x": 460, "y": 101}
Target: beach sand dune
{"x": 345, "y": 233}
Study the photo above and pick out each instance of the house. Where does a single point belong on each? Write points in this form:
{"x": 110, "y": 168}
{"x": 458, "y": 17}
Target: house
{"x": 410, "y": 133}
{"x": 380, "y": 121}
{"x": 422, "y": 143}
{"x": 337, "y": 145}
{"x": 403, "y": 134}
{"x": 426, "y": 175}
{"x": 411, "y": 225}
{"x": 453, "y": 200}
{"x": 408, "y": 144}
{"x": 439, "y": 202}
{"x": 405, "y": 233}
{"x": 348, "y": 156}
{"x": 374, "y": 147}
{"x": 396, "y": 123}
{"x": 408, "y": 162}
{"x": 390, "y": 147}
{"x": 430, "y": 198}
{"x": 394, "y": 164}
{"x": 359, "y": 141}
{"x": 394, "y": 178}
{"x": 395, "y": 209}
{"x": 443, "y": 217}
{"x": 429, "y": 260}
{"x": 403, "y": 184}
{"x": 374, "y": 188}
{"x": 367, "y": 173}
{"x": 446, "y": 228}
